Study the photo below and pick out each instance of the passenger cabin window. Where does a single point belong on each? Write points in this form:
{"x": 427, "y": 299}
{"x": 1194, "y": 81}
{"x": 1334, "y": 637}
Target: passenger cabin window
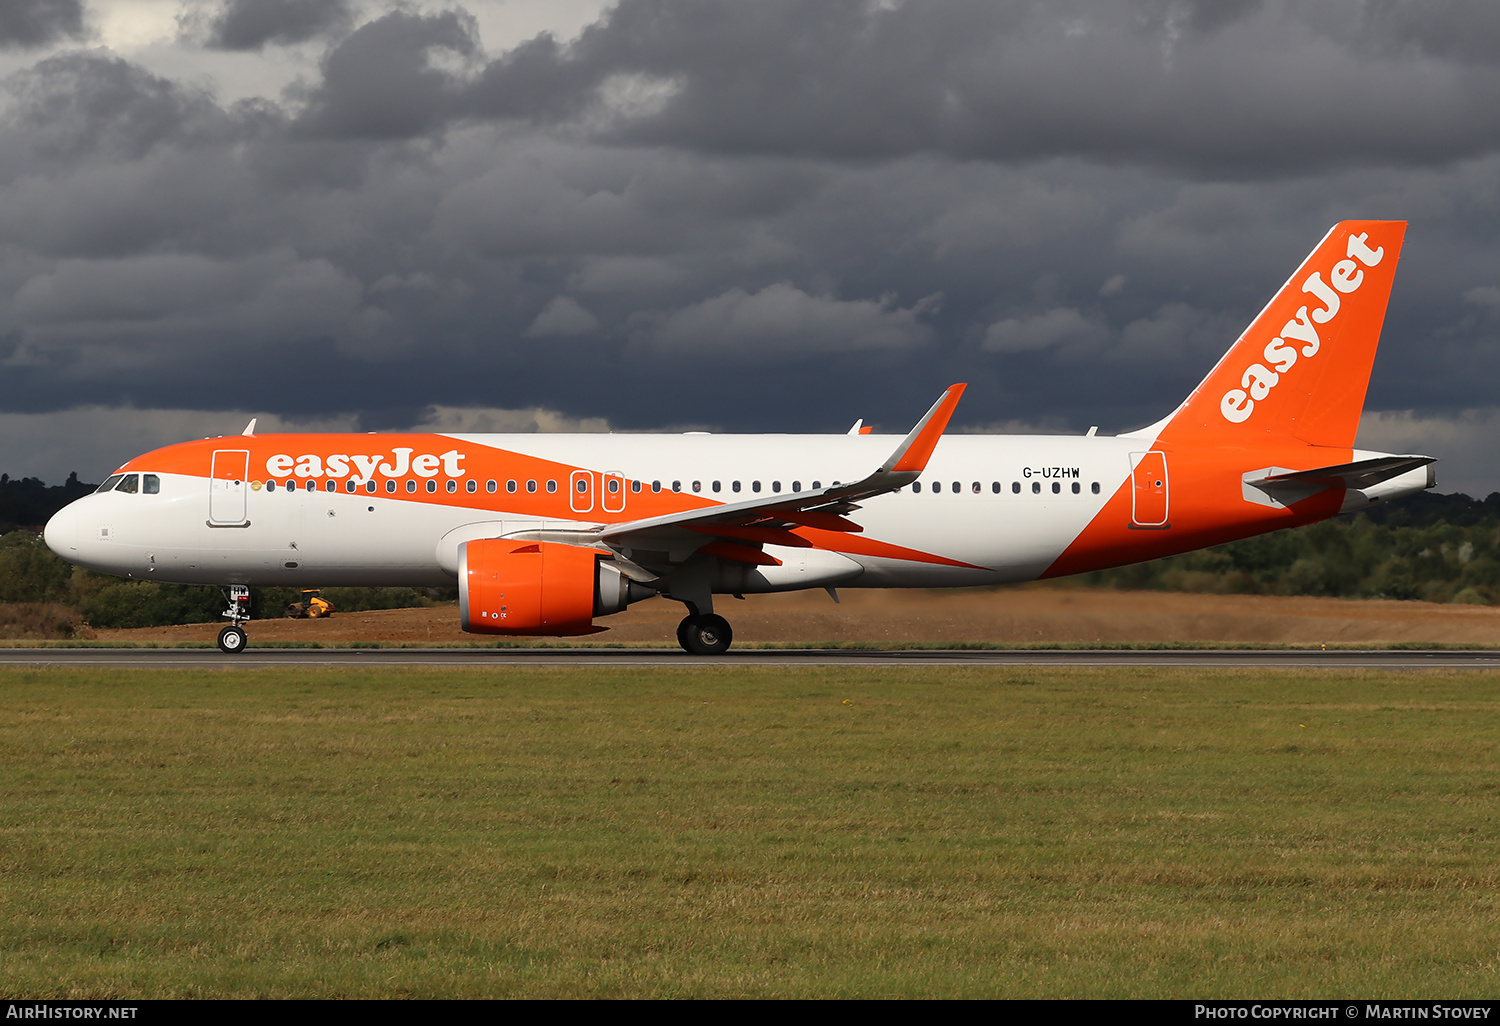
{"x": 473, "y": 485}
{"x": 411, "y": 486}
{"x": 635, "y": 486}
{"x": 109, "y": 484}
{"x": 490, "y": 486}
{"x": 531, "y": 486}
{"x": 551, "y": 486}
{"x": 1077, "y": 488}
{"x": 350, "y": 486}
{"x": 957, "y": 487}
{"x": 975, "y": 489}
{"x": 697, "y": 486}
{"x": 676, "y": 486}
{"x": 796, "y": 486}
{"x": 716, "y": 486}
{"x": 390, "y": 486}
{"x": 613, "y": 486}
{"x": 995, "y": 487}
{"x": 270, "y": 486}
{"x": 817, "y": 485}
{"x": 331, "y": 486}
{"x": 431, "y": 486}
{"x": 656, "y": 486}
{"x": 916, "y": 486}
{"x": 510, "y": 486}
{"x": 1056, "y": 487}
{"x": 735, "y": 486}
{"x": 151, "y": 484}
{"x": 370, "y": 487}
{"x": 1036, "y": 488}
{"x": 452, "y": 486}
{"x": 776, "y": 486}
{"x": 1094, "y": 487}
{"x": 130, "y": 483}
{"x": 1015, "y": 488}
{"x": 755, "y": 486}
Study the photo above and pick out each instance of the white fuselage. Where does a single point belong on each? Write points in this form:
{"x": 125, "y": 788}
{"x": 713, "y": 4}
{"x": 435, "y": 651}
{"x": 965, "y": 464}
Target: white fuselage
{"x": 1005, "y": 506}
{"x": 987, "y": 509}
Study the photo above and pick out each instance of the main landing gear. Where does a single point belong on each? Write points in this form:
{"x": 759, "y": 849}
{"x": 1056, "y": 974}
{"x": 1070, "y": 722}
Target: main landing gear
{"x": 705, "y": 634}
{"x": 233, "y": 639}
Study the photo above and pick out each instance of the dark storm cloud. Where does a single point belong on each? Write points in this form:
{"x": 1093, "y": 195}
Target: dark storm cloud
{"x": 780, "y": 215}
{"x": 252, "y": 24}
{"x": 1237, "y": 88}
{"x": 381, "y": 82}
{"x": 86, "y": 107}
{"x": 29, "y": 23}
{"x": 1465, "y": 30}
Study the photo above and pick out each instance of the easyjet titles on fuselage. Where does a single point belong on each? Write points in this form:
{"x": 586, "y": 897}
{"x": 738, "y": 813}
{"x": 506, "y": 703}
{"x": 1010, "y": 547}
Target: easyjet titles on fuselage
{"x": 1343, "y": 278}
{"x": 364, "y": 467}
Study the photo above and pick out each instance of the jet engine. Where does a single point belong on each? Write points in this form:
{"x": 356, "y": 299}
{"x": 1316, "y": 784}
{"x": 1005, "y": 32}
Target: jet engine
{"x": 520, "y": 587}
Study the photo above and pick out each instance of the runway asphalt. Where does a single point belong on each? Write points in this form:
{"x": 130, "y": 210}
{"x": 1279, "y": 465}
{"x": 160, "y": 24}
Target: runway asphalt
{"x": 254, "y": 658}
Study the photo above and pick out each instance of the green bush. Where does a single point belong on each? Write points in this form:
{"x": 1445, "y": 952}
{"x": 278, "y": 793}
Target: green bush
{"x": 29, "y": 571}
{"x": 148, "y": 604}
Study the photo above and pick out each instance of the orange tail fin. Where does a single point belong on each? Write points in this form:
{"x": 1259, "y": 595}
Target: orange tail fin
{"x": 1302, "y": 367}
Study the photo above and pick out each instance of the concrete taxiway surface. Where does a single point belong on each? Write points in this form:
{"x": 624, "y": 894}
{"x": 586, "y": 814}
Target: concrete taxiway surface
{"x": 253, "y": 658}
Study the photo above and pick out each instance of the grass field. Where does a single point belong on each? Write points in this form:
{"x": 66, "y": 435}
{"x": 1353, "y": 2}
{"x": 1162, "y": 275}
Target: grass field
{"x": 761, "y": 832}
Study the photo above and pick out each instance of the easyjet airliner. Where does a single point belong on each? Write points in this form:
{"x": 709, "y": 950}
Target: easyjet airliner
{"x": 544, "y": 533}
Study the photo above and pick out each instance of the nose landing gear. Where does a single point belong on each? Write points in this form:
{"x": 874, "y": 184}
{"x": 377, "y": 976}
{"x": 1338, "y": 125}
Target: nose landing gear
{"x": 706, "y": 634}
{"x": 233, "y": 639}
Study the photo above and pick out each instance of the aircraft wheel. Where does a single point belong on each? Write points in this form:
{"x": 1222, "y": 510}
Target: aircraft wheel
{"x": 232, "y": 639}
{"x": 705, "y": 635}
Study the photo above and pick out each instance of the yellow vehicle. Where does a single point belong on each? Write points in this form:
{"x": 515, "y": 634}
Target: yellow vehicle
{"x": 312, "y": 607}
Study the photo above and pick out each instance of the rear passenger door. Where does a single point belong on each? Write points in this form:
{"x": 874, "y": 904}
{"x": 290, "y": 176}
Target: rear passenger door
{"x": 1149, "y": 507}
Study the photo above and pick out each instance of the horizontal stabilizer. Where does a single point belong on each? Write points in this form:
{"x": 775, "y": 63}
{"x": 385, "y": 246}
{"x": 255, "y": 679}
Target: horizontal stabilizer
{"x": 1285, "y": 487}
{"x": 1360, "y": 474}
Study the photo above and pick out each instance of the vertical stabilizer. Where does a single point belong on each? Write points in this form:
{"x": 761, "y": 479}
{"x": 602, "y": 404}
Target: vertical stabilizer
{"x": 1301, "y": 369}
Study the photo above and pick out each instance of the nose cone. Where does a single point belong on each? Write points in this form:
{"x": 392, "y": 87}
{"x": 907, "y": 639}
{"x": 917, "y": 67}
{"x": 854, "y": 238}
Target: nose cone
{"x": 61, "y": 532}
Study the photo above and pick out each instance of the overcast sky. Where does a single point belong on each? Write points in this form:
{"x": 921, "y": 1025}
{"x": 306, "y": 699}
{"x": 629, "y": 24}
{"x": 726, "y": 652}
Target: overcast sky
{"x": 776, "y": 215}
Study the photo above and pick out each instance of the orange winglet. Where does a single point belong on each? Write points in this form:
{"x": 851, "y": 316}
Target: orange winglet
{"x": 917, "y": 449}
{"x": 739, "y": 554}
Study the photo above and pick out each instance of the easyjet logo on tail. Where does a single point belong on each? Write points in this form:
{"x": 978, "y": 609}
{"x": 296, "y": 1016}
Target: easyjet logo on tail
{"x": 1300, "y": 334}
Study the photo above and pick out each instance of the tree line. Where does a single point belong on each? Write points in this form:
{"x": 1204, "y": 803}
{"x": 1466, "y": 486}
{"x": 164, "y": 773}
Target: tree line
{"x": 1436, "y": 548}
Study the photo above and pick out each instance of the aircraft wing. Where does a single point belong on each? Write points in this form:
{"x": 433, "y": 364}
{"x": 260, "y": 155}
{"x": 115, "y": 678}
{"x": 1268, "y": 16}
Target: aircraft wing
{"x": 736, "y": 531}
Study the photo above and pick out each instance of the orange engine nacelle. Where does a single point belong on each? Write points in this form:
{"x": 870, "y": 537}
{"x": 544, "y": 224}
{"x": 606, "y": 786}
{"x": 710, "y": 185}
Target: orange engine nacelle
{"x": 520, "y": 587}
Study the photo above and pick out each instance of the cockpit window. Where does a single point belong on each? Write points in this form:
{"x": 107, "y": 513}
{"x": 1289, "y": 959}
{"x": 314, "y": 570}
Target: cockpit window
{"x": 151, "y": 484}
{"x": 109, "y": 484}
{"x": 131, "y": 484}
